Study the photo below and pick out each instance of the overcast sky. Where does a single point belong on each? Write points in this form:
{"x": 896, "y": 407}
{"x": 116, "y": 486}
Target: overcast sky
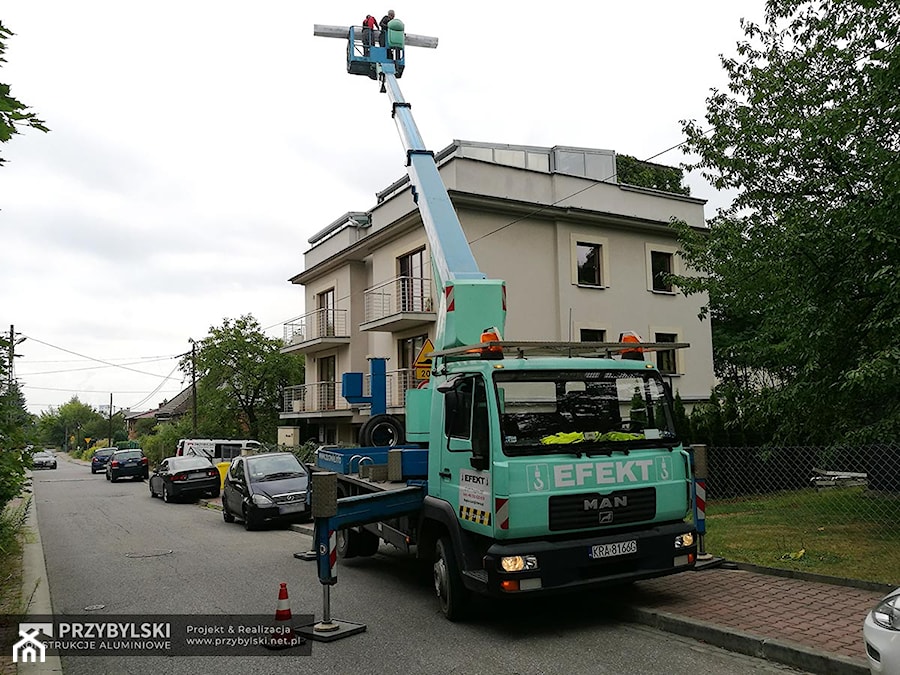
{"x": 196, "y": 145}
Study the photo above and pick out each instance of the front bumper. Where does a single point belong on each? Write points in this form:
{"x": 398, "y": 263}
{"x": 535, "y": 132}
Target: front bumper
{"x": 566, "y": 564}
{"x": 293, "y": 513}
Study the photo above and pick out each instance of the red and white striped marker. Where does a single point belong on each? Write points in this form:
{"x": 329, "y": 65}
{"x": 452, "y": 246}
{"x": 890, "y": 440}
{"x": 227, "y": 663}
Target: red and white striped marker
{"x": 501, "y": 508}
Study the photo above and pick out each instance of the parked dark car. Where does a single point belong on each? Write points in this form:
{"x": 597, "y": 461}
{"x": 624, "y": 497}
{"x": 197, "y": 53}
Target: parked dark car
{"x": 265, "y": 488}
{"x": 43, "y": 460}
{"x": 189, "y": 476}
{"x": 100, "y": 458}
{"x": 127, "y": 464}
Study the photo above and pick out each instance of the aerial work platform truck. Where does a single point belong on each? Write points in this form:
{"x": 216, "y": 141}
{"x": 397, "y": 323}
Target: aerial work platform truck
{"x": 521, "y": 468}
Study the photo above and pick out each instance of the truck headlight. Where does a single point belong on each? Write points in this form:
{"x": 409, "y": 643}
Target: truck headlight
{"x": 262, "y": 500}
{"x": 684, "y": 540}
{"x": 518, "y": 563}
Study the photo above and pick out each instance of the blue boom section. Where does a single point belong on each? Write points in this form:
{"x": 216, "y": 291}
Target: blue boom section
{"x": 450, "y": 252}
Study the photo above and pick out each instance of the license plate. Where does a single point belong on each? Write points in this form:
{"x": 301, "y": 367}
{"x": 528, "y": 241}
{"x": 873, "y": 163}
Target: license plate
{"x": 293, "y": 508}
{"x": 198, "y": 474}
{"x": 612, "y": 550}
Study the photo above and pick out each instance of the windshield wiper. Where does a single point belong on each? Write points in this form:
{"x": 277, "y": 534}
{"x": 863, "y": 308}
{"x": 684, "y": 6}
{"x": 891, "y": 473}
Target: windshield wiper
{"x": 282, "y": 474}
{"x": 607, "y": 449}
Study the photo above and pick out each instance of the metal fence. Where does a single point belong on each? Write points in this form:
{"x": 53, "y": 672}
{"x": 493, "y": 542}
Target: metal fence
{"x": 832, "y": 511}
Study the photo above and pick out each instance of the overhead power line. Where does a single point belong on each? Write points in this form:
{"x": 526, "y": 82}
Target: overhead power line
{"x": 91, "y": 358}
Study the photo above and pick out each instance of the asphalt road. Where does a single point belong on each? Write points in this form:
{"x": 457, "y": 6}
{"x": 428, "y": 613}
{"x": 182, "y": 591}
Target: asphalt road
{"x": 112, "y": 548}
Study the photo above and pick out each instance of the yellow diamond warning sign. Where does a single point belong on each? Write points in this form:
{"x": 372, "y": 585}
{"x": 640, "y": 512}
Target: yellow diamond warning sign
{"x": 423, "y": 361}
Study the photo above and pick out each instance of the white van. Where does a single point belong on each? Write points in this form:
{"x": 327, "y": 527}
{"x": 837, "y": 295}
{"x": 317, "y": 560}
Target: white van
{"x": 216, "y": 449}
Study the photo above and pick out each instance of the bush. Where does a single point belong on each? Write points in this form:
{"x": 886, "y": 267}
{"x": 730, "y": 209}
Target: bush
{"x": 12, "y": 475}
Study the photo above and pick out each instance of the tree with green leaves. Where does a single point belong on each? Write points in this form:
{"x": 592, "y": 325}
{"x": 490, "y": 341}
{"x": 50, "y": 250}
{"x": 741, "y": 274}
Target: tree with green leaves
{"x": 16, "y": 425}
{"x": 13, "y": 113}
{"x": 801, "y": 270}
{"x": 70, "y": 423}
{"x": 241, "y": 374}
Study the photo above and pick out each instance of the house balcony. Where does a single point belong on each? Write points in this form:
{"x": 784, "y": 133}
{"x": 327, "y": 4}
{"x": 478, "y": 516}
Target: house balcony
{"x": 316, "y": 331}
{"x": 399, "y": 304}
{"x": 324, "y": 399}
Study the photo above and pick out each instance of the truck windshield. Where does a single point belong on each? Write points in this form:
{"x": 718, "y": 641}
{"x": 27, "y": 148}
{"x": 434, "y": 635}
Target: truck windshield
{"x": 585, "y": 412}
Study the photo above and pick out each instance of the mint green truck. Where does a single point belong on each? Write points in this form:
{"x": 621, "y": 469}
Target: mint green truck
{"x": 527, "y": 468}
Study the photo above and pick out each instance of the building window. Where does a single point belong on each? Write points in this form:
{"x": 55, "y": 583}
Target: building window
{"x": 590, "y": 267}
{"x": 327, "y": 374}
{"x": 413, "y": 288}
{"x": 408, "y": 349}
{"x": 325, "y": 305}
{"x": 665, "y": 358}
{"x": 660, "y": 269}
{"x": 592, "y": 335}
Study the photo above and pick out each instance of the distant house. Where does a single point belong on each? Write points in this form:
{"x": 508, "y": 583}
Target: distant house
{"x": 174, "y": 409}
{"x": 131, "y": 421}
{"x": 170, "y": 410}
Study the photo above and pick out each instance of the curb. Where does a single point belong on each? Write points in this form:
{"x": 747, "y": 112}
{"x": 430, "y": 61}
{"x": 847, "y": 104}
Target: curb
{"x": 34, "y": 576}
{"x": 770, "y": 649}
{"x": 809, "y": 576}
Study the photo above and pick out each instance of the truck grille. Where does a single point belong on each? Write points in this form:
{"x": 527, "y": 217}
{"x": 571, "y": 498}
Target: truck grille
{"x": 592, "y": 509}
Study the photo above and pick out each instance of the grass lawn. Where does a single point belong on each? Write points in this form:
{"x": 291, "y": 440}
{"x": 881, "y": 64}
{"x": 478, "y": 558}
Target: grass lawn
{"x": 842, "y": 532}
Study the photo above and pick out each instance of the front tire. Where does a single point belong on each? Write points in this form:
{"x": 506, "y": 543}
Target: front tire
{"x": 452, "y": 595}
{"x": 250, "y": 523}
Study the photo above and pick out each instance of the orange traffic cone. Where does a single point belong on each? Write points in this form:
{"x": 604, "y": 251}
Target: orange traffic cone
{"x": 283, "y": 635}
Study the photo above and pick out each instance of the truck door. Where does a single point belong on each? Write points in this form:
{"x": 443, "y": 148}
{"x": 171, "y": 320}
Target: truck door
{"x": 464, "y": 474}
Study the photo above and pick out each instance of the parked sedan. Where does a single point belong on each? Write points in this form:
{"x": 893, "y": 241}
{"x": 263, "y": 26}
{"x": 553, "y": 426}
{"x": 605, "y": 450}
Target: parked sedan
{"x": 264, "y": 488}
{"x": 188, "y": 476}
{"x": 881, "y": 631}
{"x": 100, "y": 458}
{"x": 43, "y": 460}
{"x": 127, "y": 464}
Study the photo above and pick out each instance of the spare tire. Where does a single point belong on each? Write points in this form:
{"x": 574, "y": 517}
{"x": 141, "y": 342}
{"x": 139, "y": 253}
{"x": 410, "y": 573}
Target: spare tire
{"x": 381, "y": 431}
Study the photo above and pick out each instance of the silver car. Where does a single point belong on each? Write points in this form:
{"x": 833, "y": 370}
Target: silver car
{"x": 882, "y": 635}
{"x": 43, "y": 460}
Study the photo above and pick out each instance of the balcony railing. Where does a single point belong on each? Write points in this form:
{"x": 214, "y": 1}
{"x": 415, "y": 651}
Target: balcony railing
{"x": 326, "y": 396}
{"x": 321, "y": 325}
{"x": 398, "y": 296}
{"x": 314, "y": 397}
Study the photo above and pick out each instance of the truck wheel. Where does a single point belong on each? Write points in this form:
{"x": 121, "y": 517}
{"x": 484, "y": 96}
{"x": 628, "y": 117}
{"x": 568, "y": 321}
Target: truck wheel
{"x": 452, "y": 595}
{"x": 346, "y": 543}
{"x": 381, "y": 431}
{"x": 366, "y": 543}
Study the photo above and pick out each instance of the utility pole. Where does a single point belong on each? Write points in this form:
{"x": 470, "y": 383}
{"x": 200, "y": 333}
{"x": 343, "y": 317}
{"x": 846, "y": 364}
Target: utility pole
{"x": 110, "y": 419}
{"x": 12, "y": 355}
{"x": 194, "y": 384}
